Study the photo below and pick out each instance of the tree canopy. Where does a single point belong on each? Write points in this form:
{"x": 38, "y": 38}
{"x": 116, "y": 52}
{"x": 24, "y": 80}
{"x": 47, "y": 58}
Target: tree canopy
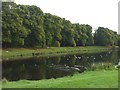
{"x": 105, "y": 37}
{"x": 28, "y": 26}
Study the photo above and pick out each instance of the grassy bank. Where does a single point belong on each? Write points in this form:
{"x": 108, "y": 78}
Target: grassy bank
{"x": 89, "y": 79}
{"x": 28, "y": 52}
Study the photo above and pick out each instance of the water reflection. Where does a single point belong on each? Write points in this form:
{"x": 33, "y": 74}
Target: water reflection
{"x": 53, "y": 67}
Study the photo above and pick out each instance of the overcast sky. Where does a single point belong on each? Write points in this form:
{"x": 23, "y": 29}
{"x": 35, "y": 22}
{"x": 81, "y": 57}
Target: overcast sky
{"x": 96, "y": 13}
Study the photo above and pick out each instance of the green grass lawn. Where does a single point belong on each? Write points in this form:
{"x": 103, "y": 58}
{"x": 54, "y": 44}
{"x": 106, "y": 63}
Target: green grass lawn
{"x": 88, "y": 79}
{"x": 27, "y": 52}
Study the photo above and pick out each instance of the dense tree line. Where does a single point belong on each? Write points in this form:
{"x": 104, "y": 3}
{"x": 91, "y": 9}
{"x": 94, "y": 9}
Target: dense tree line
{"x": 28, "y": 26}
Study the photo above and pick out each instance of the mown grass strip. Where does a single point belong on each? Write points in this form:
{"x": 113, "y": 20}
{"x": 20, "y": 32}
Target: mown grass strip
{"x": 89, "y": 79}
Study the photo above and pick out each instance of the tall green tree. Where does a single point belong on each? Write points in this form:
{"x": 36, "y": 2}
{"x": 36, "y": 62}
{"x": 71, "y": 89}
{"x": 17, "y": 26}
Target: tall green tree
{"x": 52, "y": 27}
{"x": 83, "y": 35}
{"x": 67, "y": 34}
{"x": 90, "y": 40}
{"x": 105, "y": 37}
{"x": 13, "y": 32}
{"x": 34, "y": 20}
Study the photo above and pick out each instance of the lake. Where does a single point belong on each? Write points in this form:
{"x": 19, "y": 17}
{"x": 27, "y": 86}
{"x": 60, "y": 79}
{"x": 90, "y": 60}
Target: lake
{"x": 46, "y": 67}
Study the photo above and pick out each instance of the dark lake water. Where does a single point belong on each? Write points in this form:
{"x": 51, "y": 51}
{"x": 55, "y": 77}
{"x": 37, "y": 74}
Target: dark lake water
{"x": 47, "y": 67}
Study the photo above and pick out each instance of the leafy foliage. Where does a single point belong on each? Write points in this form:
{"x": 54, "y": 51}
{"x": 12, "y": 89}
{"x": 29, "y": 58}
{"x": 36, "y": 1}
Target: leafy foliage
{"x": 105, "y": 37}
{"x": 28, "y": 26}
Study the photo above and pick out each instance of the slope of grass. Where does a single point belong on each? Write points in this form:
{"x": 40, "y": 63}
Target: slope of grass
{"x": 27, "y": 52}
{"x": 89, "y": 79}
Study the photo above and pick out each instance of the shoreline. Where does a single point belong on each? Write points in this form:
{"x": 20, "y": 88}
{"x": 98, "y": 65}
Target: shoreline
{"x": 17, "y": 53}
